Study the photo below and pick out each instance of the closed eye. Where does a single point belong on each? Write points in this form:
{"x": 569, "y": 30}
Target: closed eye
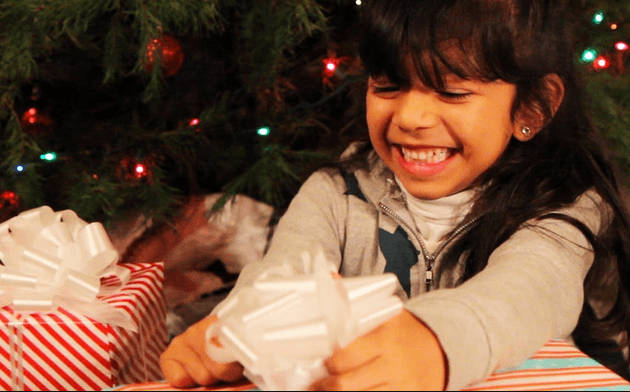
{"x": 454, "y": 96}
{"x": 383, "y": 87}
{"x": 385, "y": 91}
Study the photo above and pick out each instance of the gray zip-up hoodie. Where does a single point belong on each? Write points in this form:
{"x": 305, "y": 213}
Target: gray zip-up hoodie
{"x": 531, "y": 290}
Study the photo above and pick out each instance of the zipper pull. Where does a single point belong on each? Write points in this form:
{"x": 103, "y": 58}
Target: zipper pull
{"x": 428, "y": 280}
{"x": 428, "y": 277}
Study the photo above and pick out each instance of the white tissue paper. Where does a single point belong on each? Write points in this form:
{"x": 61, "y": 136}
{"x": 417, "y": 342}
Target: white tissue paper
{"x": 283, "y": 327}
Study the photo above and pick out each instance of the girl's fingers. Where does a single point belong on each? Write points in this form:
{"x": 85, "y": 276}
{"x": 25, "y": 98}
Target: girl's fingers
{"x": 227, "y": 371}
{"x": 182, "y": 367}
{"x": 367, "y": 377}
{"x": 197, "y": 341}
{"x": 176, "y": 375}
{"x": 185, "y": 362}
{"x": 186, "y": 367}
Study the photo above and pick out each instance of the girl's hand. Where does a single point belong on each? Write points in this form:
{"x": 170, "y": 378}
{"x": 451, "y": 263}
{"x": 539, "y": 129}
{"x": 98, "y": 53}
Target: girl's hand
{"x": 401, "y": 354}
{"x": 185, "y": 362}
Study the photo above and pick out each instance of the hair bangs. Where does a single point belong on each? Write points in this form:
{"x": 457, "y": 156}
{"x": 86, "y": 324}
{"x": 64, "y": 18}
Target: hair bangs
{"x": 382, "y": 48}
{"x": 439, "y": 38}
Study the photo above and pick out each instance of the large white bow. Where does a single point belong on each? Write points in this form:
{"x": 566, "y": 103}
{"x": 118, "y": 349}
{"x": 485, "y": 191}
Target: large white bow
{"x": 283, "y": 327}
{"x": 56, "y": 259}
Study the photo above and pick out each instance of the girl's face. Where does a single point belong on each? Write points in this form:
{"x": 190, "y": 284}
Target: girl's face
{"x": 439, "y": 142}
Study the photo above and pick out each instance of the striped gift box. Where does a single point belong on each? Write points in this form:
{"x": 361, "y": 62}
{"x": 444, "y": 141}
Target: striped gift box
{"x": 62, "y": 350}
{"x": 557, "y": 366}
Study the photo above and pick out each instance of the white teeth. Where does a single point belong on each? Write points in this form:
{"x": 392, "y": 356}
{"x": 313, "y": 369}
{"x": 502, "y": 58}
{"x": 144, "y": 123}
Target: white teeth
{"x": 426, "y": 155}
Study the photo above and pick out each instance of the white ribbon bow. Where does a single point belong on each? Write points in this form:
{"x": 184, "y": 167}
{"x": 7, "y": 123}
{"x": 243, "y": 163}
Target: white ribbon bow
{"x": 283, "y": 327}
{"x": 56, "y": 259}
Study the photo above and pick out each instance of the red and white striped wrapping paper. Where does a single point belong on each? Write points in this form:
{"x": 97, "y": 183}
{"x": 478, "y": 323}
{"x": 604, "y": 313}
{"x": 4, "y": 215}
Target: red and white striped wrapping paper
{"x": 62, "y": 350}
{"x": 557, "y": 366}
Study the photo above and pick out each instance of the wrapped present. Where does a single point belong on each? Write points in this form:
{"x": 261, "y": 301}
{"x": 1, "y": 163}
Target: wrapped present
{"x": 65, "y": 350}
{"x": 283, "y": 326}
{"x": 71, "y": 317}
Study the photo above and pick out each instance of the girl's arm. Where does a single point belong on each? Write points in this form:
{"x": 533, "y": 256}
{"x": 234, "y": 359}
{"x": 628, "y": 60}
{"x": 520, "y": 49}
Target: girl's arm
{"x": 530, "y": 292}
{"x": 312, "y": 223}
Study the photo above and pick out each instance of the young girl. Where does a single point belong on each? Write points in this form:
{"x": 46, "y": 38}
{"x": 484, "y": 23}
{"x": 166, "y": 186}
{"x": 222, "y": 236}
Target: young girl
{"x": 483, "y": 186}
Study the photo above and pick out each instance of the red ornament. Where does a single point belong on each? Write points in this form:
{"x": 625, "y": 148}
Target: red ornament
{"x": 9, "y": 203}
{"x": 36, "y": 122}
{"x": 10, "y": 198}
{"x": 170, "y": 52}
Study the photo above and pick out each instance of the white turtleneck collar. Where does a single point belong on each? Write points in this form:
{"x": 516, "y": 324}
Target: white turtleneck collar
{"x": 435, "y": 219}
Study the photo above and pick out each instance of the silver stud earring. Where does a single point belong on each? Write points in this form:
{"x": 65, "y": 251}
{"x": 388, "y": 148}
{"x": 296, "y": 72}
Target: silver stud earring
{"x": 526, "y": 131}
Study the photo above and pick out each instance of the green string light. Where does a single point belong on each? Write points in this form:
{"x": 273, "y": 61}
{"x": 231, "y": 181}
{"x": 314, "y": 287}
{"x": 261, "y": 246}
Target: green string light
{"x": 49, "y": 156}
{"x": 598, "y": 18}
{"x": 264, "y": 131}
{"x": 589, "y": 55}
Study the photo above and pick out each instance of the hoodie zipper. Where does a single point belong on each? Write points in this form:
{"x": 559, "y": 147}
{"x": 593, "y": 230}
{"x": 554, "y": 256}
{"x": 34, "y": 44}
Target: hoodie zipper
{"x": 429, "y": 259}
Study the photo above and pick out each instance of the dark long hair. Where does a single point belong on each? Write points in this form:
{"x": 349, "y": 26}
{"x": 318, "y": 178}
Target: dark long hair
{"x": 519, "y": 42}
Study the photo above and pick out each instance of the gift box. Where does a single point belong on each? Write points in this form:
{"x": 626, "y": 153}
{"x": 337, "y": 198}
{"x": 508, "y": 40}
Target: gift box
{"x": 71, "y": 317}
{"x": 67, "y": 350}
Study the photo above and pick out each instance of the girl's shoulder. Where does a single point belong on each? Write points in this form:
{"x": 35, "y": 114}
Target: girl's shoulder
{"x": 367, "y": 176}
{"x": 591, "y": 209}
{"x": 325, "y": 186}
{"x": 325, "y": 177}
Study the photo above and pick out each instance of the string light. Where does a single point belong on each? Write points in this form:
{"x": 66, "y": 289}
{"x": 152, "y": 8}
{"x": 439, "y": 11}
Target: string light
{"x": 140, "y": 170}
{"x": 598, "y": 18}
{"x": 621, "y": 46}
{"x": 19, "y": 168}
{"x": 31, "y": 115}
{"x": 49, "y": 156}
{"x": 358, "y": 2}
{"x": 193, "y": 122}
{"x": 264, "y": 131}
{"x": 613, "y": 26}
{"x": 601, "y": 62}
{"x": 589, "y": 55}
{"x": 330, "y": 66}
{"x": 37, "y": 122}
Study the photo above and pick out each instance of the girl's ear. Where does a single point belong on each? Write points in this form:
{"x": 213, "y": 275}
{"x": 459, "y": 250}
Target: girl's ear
{"x": 531, "y": 118}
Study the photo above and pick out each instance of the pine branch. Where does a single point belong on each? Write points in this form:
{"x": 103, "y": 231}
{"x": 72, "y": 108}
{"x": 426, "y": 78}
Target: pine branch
{"x": 277, "y": 170}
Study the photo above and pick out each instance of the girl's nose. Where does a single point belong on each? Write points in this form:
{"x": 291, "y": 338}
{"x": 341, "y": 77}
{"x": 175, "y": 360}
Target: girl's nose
{"x": 416, "y": 110}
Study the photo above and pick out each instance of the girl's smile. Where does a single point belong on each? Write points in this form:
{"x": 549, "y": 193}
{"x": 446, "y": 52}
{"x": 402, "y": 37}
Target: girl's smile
{"x": 423, "y": 161}
{"x": 439, "y": 142}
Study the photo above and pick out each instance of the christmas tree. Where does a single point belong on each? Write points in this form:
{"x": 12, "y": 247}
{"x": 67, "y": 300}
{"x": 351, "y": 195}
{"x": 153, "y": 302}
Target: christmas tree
{"x": 603, "y": 52}
{"x": 108, "y": 106}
